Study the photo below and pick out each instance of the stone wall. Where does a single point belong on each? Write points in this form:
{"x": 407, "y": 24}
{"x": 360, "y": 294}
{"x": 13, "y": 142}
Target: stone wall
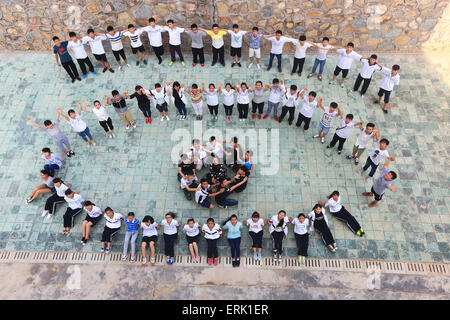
{"x": 371, "y": 24}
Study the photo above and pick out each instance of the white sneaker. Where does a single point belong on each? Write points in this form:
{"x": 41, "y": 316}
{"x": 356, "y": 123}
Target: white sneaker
{"x": 120, "y": 68}
{"x": 258, "y": 66}
{"x": 44, "y": 213}
{"x": 250, "y": 65}
{"x": 322, "y": 140}
{"x": 124, "y": 257}
{"x": 128, "y": 65}
{"x": 316, "y": 136}
{"x": 48, "y": 216}
{"x": 162, "y": 118}
{"x": 27, "y": 200}
{"x": 167, "y": 118}
{"x": 110, "y": 136}
{"x": 368, "y": 178}
{"x": 330, "y": 82}
{"x": 342, "y": 85}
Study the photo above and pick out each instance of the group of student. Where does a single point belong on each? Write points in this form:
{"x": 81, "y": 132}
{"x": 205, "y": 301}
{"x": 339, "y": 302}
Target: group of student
{"x": 346, "y": 54}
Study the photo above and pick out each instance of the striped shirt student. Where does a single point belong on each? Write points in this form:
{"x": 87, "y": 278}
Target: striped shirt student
{"x": 115, "y": 39}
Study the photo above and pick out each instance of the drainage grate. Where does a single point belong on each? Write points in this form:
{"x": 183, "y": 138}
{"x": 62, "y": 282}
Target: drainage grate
{"x": 398, "y": 267}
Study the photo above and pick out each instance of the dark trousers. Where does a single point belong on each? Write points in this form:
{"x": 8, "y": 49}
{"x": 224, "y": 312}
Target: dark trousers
{"x": 51, "y": 202}
{"x": 243, "y": 110}
{"x": 257, "y": 106}
{"x": 176, "y": 49}
{"x": 71, "y": 69}
{"x": 83, "y": 62}
{"x": 187, "y": 194}
{"x": 69, "y": 215}
{"x": 336, "y": 138}
{"x": 346, "y": 216}
{"x": 159, "y": 51}
{"x": 146, "y": 111}
{"x": 365, "y": 85}
{"x": 235, "y": 245}
{"x": 108, "y": 233}
{"x": 212, "y": 248}
{"x": 169, "y": 243}
{"x": 272, "y": 56}
{"x": 373, "y": 167}
{"x": 302, "y": 244}
{"x": 107, "y": 125}
{"x": 322, "y": 227}
{"x": 256, "y": 238}
{"x": 219, "y": 54}
{"x": 181, "y": 109}
{"x": 278, "y": 241}
{"x": 51, "y": 167}
{"x": 301, "y": 118}
{"x": 213, "y": 110}
{"x": 298, "y": 63}
{"x": 228, "y": 110}
{"x": 284, "y": 111}
{"x": 198, "y": 55}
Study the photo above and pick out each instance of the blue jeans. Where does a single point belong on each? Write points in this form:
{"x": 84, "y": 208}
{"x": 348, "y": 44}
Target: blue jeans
{"x": 230, "y": 202}
{"x": 322, "y": 65}
{"x": 275, "y": 108}
{"x": 181, "y": 110}
{"x": 272, "y": 56}
{"x": 373, "y": 167}
{"x": 235, "y": 245}
{"x": 85, "y": 133}
{"x": 51, "y": 167}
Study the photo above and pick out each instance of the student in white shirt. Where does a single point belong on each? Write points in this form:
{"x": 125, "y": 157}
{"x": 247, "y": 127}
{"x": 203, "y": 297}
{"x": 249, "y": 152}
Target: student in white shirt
{"x": 322, "y": 50}
{"x": 78, "y": 125}
{"x": 236, "y": 44}
{"x": 212, "y": 233}
{"x": 243, "y": 99}
{"x": 319, "y": 222}
{"x": 115, "y": 39}
{"x": 174, "y": 41}
{"x": 93, "y": 216}
{"x": 278, "y": 230}
{"x": 74, "y": 207}
{"x": 308, "y": 107}
{"x": 346, "y": 57}
{"x": 301, "y": 224}
{"x": 278, "y": 42}
{"x": 170, "y": 234}
{"x": 343, "y": 132}
{"x": 391, "y": 78}
{"x": 53, "y": 160}
{"x": 329, "y": 113}
{"x": 363, "y": 139}
{"x": 54, "y": 199}
{"x": 149, "y": 238}
{"x": 77, "y": 46}
{"x": 212, "y": 99}
{"x": 103, "y": 118}
{"x": 155, "y": 39}
{"x": 198, "y": 154}
{"x": 290, "y": 103}
{"x": 95, "y": 42}
{"x": 340, "y": 213}
{"x": 276, "y": 90}
{"x": 136, "y": 43}
{"x": 192, "y": 230}
{"x": 47, "y": 186}
{"x": 255, "y": 230}
{"x": 370, "y": 65}
{"x": 161, "y": 99}
{"x": 376, "y": 156}
{"x": 228, "y": 100}
{"x": 301, "y": 45}
{"x": 112, "y": 226}
{"x": 188, "y": 184}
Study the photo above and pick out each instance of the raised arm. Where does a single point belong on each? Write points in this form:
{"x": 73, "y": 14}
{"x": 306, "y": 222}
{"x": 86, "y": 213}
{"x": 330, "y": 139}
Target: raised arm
{"x": 377, "y": 134}
{"x": 107, "y": 100}
{"x": 320, "y": 103}
{"x": 34, "y": 123}
{"x": 61, "y": 114}
{"x": 302, "y": 93}
{"x": 340, "y": 113}
{"x": 125, "y": 93}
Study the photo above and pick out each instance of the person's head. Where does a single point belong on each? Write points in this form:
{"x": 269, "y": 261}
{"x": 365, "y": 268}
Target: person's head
{"x": 88, "y": 205}
{"x": 233, "y": 219}
{"x": 258, "y": 85}
{"x": 348, "y": 118}
{"x": 46, "y": 152}
{"x": 350, "y": 46}
{"x": 281, "y": 216}
{"x": 110, "y": 30}
{"x": 191, "y": 222}
{"x": 317, "y": 208}
{"x": 152, "y": 21}
{"x": 130, "y": 216}
{"x": 243, "y": 86}
{"x": 255, "y": 216}
{"x": 301, "y": 217}
{"x": 56, "y": 41}
{"x": 212, "y": 141}
{"x": 333, "y": 106}
{"x": 158, "y": 87}
{"x": 248, "y": 155}
{"x": 196, "y": 143}
{"x": 45, "y": 174}
{"x": 369, "y": 127}
{"x": 395, "y": 69}
{"x": 72, "y": 35}
{"x": 228, "y": 86}
{"x": 91, "y": 33}
{"x": 97, "y": 104}
{"x": 148, "y": 220}
{"x": 176, "y": 85}
{"x": 302, "y": 39}
{"x": 373, "y": 59}
{"x": 48, "y": 124}
{"x": 71, "y": 113}
{"x": 384, "y": 143}
{"x": 255, "y": 31}
{"x": 170, "y": 216}
{"x": 190, "y": 175}
{"x": 335, "y": 195}
{"x": 109, "y": 212}
{"x": 278, "y": 34}
{"x": 131, "y": 28}
{"x": 311, "y": 96}
{"x": 57, "y": 182}
{"x": 194, "y": 87}
{"x": 275, "y": 82}
{"x": 235, "y": 28}
{"x": 215, "y": 28}
{"x": 170, "y": 23}
{"x": 235, "y": 141}
{"x": 293, "y": 89}
{"x": 69, "y": 193}
{"x": 211, "y": 87}
{"x": 204, "y": 183}
{"x": 138, "y": 88}
{"x": 325, "y": 41}
{"x": 242, "y": 171}
{"x": 210, "y": 223}
{"x": 116, "y": 95}
{"x": 391, "y": 175}
{"x": 194, "y": 28}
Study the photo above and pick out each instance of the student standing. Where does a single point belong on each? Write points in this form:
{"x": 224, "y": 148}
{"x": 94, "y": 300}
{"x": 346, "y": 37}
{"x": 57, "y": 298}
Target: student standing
{"x": 131, "y": 234}
{"x": 142, "y": 96}
{"x": 212, "y": 99}
{"x": 340, "y": 213}
{"x": 255, "y": 230}
{"x": 161, "y": 100}
{"x": 212, "y": 234}
{"x": 300, "y": 54}
{"x": 228, "y": 100}
{"x": 59, "y": 138}
{"x": 120, "y": 105}
{"x": 115, "y": 39}
{"x": 218, "y": 50}
{"x": 343, "y": 132}
{"x": 278, "y": 42}
{"x": 135, "y": 42}
{"x": 174, "y": 41}
{"x": 346, "y": 57}
{"x": 46, "y": 187}
{"x": 178, "y": 98}
{"x": 391, "y": 78}
{"x": 192, "y": 230}
{"x": 378, "y": 154}
{"x": 93, "y": 216}
{"x": 170, "y": 234}
{"x": 276, "y": 90}
{"x": 149, "y": 238}
{"x": 234, "y": 238}
{"x": 370, "y": 65}
{"x": 60, "y": 50}
{"x": 319, "y": 221}
{"x": 53, "y": 160}
{"x": 329, "y": 113}
{"x": 381, "y": 184}
{"x": 322, "y": 50}
{"x": 258, "y": 100}
{"x": 77, "y": 46}
{"x": 290, "y": 103}
{"x": 75, "y": 204}
{"x": 236, "y": 44}
{"x": 197, "y": 101}
{"x": 301, "y": 224}
{"x": 55, "y": 198}
{"x": 255, "y": 47}
{"x": 243, "y": 99}
{"x": 278, "y": 230}
{"x": 78, "y": 125}
{"x": 196, "y": 44}
{"x": 309, "y": 105}
{"x": 155, "y": 39}
{"x": 367, "y": 134}
{"x": 95, "y": 42}
{"x": 112, "y": 226}
{"x": 103, "y": 118}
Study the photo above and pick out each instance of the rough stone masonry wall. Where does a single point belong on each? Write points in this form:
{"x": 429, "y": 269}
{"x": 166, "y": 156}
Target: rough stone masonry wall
{"x": 370, "y": 24}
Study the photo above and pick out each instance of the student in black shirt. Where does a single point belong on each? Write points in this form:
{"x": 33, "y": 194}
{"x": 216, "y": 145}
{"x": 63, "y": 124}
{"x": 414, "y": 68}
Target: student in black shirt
{"x": 143, "y": 102}
{"x": 223, "y": 191}
{"x": 217, "y": 170}
{"x": 185, "y": 166}
{"x": 240, "y": 180}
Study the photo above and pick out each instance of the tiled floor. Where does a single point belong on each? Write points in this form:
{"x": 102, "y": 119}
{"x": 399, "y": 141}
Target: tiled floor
{"x": 134, "y": 171}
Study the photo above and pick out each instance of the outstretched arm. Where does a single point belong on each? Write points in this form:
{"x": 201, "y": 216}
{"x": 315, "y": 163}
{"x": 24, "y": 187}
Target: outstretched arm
{"x": 34, "y": 123}
{"x": 61, "y": 114}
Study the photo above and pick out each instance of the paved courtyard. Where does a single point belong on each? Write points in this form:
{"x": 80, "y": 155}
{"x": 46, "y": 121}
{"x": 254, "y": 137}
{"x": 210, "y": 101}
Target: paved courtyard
{"x": 134, "y": 173}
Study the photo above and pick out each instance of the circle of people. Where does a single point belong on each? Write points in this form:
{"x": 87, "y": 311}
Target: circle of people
{"x": 216, "y": 184}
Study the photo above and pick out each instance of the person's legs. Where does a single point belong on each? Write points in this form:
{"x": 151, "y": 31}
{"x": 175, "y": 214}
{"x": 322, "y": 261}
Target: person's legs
{"x": 179, "y": 52}
{"x": 316, "y": 64}
{"x": 81, "y": 63}
{"x": 87, "y": 231}
{"x": 334, "y": 140}
{"x": 300, "y": 120}
{"x": 202, "y": 61}
{"x": 291, "y": 115}
{"x": 187, "y": 194}
{"x": 40, "y": 190}
{"x": 104, "y": 125}
{"x": 231, "y": 242}
{"x": 365, "y": 86}
{"x": 300, "y": 65}
{"x": 216, "y": 110}
{"x": 126, "y": 241}
{"x": 269, "y": 108}
{"x": 191, "y": 250}
{"x": 68, "y": 70}
{"x": 82, "y": 134}
{"x": 295, "y": 65}
{"x": 239, "y": 107}
{"x": 129, "y": 117}
{"x": 215, "y": 55}
{"x": 172, "y": 52}
{"x": 307, "y": 122}
{"x": 341, "y": 143}
{"x": 345, "y": 216}
{"x": 322, "y": 66}
{"x": 299, "y": 243}
{"x": 271, "y": 57}
{"x": 51, "y": 202}
{"x": 284, "y": 111}
{"x": 230, "y": 202}
{"x": 88, "y": 133}
{"x": 222, "y": 59}
{"x": 245, "y": 110}
{"x": 194, "y": 60}
{"x": 133, "y": 243}
{"x": 279, "y": 58}
{"x": 358, "y": 81}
